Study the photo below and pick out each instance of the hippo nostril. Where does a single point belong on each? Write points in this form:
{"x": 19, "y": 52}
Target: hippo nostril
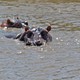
{"x": 28, "y": 44}
{"x": 38, "y": 43}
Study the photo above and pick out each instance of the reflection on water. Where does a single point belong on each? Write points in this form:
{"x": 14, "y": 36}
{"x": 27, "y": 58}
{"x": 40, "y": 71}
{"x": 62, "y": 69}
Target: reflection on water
{"x": 58, "y": 60}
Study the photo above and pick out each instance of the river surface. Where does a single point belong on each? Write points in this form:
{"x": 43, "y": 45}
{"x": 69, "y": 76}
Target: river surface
{"x": 58, "y": 60}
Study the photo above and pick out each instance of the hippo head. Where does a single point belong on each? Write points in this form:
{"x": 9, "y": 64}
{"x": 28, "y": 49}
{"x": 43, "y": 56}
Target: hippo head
{"x": 37, "y": 36}
{"x": 17, "y": 23}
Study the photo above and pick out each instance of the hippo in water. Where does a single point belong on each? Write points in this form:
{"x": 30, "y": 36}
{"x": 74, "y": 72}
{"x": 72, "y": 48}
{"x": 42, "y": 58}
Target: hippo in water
{"x": 35, "y": 36}
{"x": 17, "y": 23}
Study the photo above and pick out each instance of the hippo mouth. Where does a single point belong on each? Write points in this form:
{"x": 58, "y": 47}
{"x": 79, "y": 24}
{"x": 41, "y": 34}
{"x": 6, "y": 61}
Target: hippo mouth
{"x": 37, "y": 43}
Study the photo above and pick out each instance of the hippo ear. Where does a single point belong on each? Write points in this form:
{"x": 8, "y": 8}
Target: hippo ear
{"x": 8, "y": 21}
{"x": 26, "y": 23}
{"x": 17, "y": 18}
{"x": 26, "y": 28}
{"x": 48, "y": 28}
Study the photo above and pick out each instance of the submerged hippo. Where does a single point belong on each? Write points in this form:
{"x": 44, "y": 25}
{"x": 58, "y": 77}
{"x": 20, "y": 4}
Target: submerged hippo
{"x": 17, "y": 23}
{"x": 35, "y": 36}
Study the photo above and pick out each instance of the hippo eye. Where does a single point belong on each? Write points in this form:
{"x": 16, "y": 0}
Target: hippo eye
{"x": 29, "y": 34}
{"x": 44, "y": 34}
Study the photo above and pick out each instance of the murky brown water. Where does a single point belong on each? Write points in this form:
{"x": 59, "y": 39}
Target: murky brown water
{"x": 58, "y": 60}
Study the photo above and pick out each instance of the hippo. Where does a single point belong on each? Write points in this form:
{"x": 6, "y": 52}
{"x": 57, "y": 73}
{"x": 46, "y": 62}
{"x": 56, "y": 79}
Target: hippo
{"x": 17, "y": 23}
{"x": 35, "y": 36}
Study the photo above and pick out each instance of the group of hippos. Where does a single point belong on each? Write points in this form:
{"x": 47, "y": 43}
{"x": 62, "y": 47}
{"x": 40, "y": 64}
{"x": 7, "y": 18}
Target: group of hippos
{"x": 31, "y": 35}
